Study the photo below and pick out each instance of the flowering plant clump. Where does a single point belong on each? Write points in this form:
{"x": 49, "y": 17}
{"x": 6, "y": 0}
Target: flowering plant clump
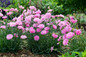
{"x": 11, "y": 13}
{"x": 9, "y": 39}
{"x": 43, "y": 31}
{"x": 78, "y": 42}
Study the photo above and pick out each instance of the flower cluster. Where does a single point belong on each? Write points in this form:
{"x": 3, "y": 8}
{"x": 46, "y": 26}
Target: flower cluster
{"x": 8, "y": 12}
{"x": 33, "y": 22}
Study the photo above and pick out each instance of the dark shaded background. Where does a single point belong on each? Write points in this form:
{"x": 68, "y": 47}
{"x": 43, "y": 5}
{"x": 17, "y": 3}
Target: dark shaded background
{"x": 4, "y": 3}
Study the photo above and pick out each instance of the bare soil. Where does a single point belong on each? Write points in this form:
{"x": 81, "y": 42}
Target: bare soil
{"x": 23, "y": 53}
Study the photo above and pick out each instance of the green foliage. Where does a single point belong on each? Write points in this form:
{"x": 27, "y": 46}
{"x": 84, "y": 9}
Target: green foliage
{"x": 81, "y": 18}
{"x": 74, "y": 54}
{"x": 68, "y": 55}
{"x": 73, "y": 5}
{"x": 43, "y": 45}
{"x": 58, "y": 6}
{"x": 16, "y": 3}
{"x": 12, "y": 45}
{"x": 39, "y": 4}
{"x": 45, "y": 5}
{"x": 78, "y": 43}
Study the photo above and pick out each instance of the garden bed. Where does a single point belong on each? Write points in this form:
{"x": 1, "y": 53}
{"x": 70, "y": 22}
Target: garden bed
{"x": 25, "y": 53}
{"x": 29, "y": 33}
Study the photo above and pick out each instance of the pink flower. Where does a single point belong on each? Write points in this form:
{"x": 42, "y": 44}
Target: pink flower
{"x": 66, "y": 29}
{"x": 21, "y": 7}
{"x": 43, "y": 32}
{"x": 18, "y": 22}
{"x": 48, "y": 24}
{"x": 9, "y": 13}
{"x": 1, "y": 14}
{"x": 51, "y": 48}
{"x": 37, "y": 15}
{"x": 38, "y": 12}
{"x": 6, "y": 10}
{"x": 70, "y": 35}
{"x": 12, "y": 9}
{"x": 28, "y": 19}
{"x": 62, "y": 23}
{"x": 50, "y": 10}
{"x": 14, "y": 19}
{"x": 38, "y": 29}
{"x": 31, "y": 30}
{"x": 63, "y": 31}
{"x": 48, "y": 15}
{"x": 4, "y": 27}
{"x": 41, "y": 26}
{"x": 9, "y": 36}
{"x": 53, "y": 16}
{"x": 61, "y": 15}
{"x": 54, "y": 26}
{"x": 65, "y": 42}
{"x": 57, "y": 43}
{"x": 73, "y": 21}
{"x": 47, "y": 31}
{"x": 4, "y": 17}
{"x": 54, "y": 35}
{"x": 24, "y": 11}
{"x": 36, "y": 38}
{"x": 20, "y": 27}
{"x": 46, "y": 28}
{"x": 64, "y": 36}
{"x": 16, "y": 10}
{"x": 27, "y": 25}
{"x": 43, "y": 17}
{"x": 36, "y": 20}
{"x": 12, "y": 24}
{"x": 32, "y": 8}
{"x": 71, "y": 17}
{"x": 34, "y": 25}
{"x": 58, "y": 21}
{"x": 16, "y": 35}
{"x": 23, "y": 37}
{"x": 59, "y": 38}
{"x": 27, "y": 29}
{"x": 78, "y": 32}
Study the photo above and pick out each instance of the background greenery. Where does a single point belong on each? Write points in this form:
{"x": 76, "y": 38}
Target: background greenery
{"x": 58, "y": 6}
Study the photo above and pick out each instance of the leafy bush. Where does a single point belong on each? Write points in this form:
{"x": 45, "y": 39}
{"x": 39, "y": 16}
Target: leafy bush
{"x": 43, "y": 5}
{"x": 78, "y": 43}
{"x": 7, "y": 45}
{"x": 44, "y": 44}
{"x": 45, "y": 32}
{"x": 17, "y": 3}
{"x": 58, "y": 6}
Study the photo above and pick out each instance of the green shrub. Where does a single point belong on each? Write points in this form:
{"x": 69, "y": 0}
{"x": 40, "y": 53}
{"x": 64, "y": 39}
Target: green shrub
{"x": 12, "y": 45}
{"x": 78, "y": 43}
{"x": 44, "y": 44}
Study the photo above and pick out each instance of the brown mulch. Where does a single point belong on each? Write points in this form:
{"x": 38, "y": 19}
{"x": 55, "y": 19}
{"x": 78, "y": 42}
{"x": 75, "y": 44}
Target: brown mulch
{"x": 23, "y": 53}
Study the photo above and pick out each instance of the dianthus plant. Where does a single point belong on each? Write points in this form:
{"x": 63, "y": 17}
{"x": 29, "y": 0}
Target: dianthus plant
{"x": 44, "y": 30}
